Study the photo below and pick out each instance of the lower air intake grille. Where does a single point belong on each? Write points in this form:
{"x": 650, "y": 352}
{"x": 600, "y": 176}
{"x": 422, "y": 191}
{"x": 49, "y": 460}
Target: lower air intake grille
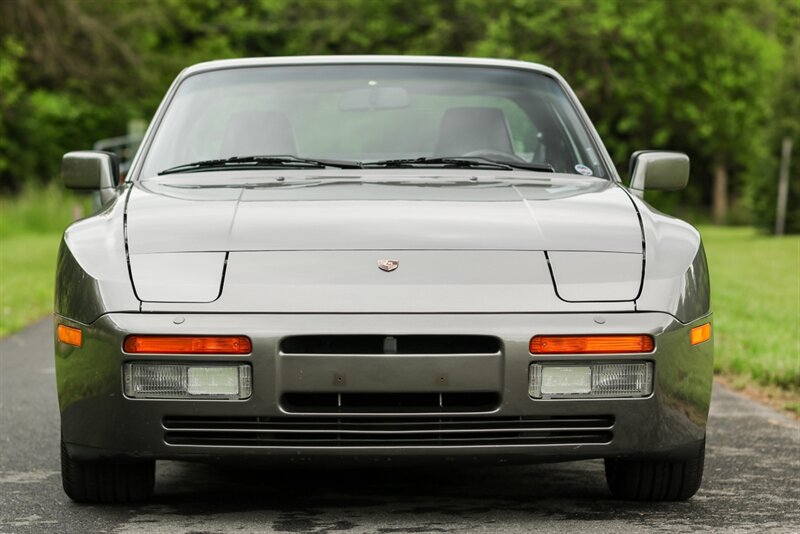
{"x": 390, "y": 402}
{"x": 386, "y": 432}
{"x": 372, "y": 344}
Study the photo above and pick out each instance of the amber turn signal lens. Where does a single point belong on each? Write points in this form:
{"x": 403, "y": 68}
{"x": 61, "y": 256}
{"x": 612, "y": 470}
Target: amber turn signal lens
{"x": 69, "y": 335}
{"x": 701, "y": 333}
{"x": 187, "y": 345}
{"x": 602, "y": 344}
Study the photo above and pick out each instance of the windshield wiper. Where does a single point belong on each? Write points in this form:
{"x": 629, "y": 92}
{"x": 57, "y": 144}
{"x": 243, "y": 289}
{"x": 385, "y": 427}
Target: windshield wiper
{"x": 464, "y": 162}
{"x": 276, "y": 183}
{"x": 260, "y": 162}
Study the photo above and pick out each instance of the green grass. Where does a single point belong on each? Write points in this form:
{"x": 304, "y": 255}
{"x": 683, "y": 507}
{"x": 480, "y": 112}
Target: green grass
{"x": 27, "y": 267}
{"x": 755, "y": 282}
{"x": 40, "y": 210}
{"x": 30, "y": 230}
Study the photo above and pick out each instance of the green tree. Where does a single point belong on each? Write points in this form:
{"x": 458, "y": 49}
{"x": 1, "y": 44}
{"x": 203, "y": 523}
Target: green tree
{"x": 762, "y": 188}
{"x": 680, "y": 75}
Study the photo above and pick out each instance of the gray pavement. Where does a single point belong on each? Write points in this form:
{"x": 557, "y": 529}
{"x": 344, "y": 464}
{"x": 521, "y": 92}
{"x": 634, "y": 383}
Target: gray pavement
{"x": 752, "y": 481}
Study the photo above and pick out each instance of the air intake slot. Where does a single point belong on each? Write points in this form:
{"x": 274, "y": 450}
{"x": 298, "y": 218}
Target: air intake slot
{"x": 390, "y": 402}
{"x": 378, "y": 432}
{"x": 388, "y": 344}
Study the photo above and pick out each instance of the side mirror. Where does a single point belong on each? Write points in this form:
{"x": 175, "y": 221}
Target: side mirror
{"x": 653, "y": 170}
{"x": 91, "y": 170}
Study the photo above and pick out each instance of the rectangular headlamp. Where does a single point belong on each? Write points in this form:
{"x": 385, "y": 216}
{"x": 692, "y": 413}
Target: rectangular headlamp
{"x": 187, "y": 381}
{"x": 599, "y": 380}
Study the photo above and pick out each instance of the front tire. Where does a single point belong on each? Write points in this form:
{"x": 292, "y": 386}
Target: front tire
{"x": 106, "y": 482}
{"x": 655, "y": 480}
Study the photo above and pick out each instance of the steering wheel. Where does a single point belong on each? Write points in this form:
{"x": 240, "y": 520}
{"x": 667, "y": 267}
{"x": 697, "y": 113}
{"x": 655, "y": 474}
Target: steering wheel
{"x": 495, "y": 155}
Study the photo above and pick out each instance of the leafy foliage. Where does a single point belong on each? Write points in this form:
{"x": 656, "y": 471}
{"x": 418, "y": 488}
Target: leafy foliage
{"x": 761, "y": 188}
{"x": 718, "y": 79}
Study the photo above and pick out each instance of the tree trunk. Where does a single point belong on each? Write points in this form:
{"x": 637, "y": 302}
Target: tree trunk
{"x": 783, "y": 186}
{"x": 720, "y": 199}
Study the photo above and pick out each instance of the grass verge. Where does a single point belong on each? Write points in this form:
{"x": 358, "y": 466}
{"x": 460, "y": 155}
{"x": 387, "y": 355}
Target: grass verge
{"x": 27, "y": 267}
{"x": 755, "y": 290}
{"x": 30, "y": 230}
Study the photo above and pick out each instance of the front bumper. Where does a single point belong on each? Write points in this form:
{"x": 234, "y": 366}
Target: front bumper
{"x": 98, "y": 420}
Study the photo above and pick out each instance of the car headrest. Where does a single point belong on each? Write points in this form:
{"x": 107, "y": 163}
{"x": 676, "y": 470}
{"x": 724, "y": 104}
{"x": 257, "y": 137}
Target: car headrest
{"x": 465, "y": 130}
{"x": 259, "y": 133}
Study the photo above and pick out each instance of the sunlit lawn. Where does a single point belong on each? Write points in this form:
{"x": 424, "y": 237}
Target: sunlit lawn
{"x": 756, "y": 299}
{"x": 30, "y": 231}
{"x": 27, "y": 266}
{"x": 755, "y": 286}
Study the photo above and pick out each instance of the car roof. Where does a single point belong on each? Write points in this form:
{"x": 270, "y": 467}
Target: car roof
{"x": 369, "y": 59}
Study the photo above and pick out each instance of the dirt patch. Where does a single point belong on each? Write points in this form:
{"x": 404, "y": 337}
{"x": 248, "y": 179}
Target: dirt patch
{"x": 773, "y": 396}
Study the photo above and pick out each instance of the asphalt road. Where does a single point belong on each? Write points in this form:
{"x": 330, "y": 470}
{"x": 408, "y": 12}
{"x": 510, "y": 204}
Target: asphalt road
{"x": 752, "y": 482}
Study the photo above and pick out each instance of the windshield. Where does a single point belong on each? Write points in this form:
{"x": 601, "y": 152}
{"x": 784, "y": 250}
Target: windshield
{"x": 373, "y": 116}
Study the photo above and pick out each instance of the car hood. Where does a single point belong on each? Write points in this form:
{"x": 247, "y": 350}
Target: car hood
{"x": 382, "y": 213}
{"x": 279, "y": 244}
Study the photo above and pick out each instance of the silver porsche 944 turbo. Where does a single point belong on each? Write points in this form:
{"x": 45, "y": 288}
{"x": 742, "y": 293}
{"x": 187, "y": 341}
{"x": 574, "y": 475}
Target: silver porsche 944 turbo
{"x": 383, "y": 260}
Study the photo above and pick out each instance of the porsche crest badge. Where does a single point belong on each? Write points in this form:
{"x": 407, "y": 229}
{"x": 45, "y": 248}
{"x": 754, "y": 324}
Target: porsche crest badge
{"x": 388, "y": 265}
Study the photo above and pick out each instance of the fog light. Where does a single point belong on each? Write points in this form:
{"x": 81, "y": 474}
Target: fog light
{"x": 180, "y": 381}
{"x": 592, "y": 380}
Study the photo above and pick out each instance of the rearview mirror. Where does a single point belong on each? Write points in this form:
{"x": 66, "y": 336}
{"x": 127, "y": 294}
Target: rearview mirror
{"x": 653, "y": 170}
{"x": 91, "y": 170}
{"x": 372, "y": 98}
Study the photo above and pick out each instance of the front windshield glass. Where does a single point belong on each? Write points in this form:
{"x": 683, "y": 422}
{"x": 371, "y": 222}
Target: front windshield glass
{"x": 371, "y": 113}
